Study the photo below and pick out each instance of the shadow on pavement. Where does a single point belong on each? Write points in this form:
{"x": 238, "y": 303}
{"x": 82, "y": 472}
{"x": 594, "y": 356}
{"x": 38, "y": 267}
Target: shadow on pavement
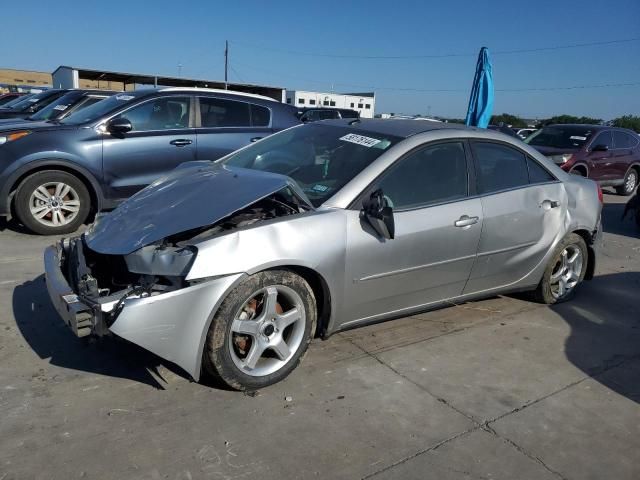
{"x": 605, "y": 331}
{"x": 49, "y": 337}
{"x": 612, "y": 221}
{"x": 12, "y": 225}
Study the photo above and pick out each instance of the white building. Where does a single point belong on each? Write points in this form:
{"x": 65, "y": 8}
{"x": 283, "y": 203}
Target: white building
{"x": 364, "y": 103}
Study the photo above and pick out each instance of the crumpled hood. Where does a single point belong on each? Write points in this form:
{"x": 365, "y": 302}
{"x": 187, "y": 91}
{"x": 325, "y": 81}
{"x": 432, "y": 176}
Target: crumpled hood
{"x": 187, "y": 198}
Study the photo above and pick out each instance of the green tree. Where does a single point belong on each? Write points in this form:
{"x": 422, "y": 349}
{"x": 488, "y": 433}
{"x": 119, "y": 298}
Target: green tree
{"x": 631, "y": 122}
{"x": 570, "y": 119}
{"x": 509, "y": 120}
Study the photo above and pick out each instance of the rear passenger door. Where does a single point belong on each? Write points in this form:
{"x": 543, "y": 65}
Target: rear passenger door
{"x": 523, "y": 206}
{"x": 223, "y": 125}
{"x": 622, "y": 153}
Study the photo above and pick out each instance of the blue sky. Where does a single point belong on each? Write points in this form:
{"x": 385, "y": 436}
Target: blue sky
{"x": 156, "y": 36}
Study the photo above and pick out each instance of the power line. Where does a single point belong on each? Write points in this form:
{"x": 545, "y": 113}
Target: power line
{"x": 443, "y": 55}
{"x": 445, "y": 90}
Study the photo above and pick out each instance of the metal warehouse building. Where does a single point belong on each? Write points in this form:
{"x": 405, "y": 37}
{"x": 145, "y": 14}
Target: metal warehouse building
{"x": 73, "y": 77}
{"x": 364, "y": 103}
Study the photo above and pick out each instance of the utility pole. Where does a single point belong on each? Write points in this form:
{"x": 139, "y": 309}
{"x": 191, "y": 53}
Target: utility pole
{"x": 226, "y": 63}
{"x": 179, "y": 70}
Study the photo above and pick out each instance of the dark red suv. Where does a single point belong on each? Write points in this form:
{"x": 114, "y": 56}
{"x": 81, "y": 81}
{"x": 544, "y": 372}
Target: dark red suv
{"x": 609, "y": 155}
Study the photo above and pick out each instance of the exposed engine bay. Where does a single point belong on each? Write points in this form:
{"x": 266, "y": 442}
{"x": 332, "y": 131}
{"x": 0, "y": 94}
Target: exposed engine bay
{"x": 108, "y": 280}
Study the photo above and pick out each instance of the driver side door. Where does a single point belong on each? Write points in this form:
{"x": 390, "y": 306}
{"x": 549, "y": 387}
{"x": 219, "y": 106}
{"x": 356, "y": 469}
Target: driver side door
{"x": 437, "y": 230}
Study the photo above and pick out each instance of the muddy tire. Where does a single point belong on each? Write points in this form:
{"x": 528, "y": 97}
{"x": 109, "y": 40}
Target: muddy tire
{"x": 52, "y": 202}
{"x": 565, "y": 271}
{"x": 261, "y": 331}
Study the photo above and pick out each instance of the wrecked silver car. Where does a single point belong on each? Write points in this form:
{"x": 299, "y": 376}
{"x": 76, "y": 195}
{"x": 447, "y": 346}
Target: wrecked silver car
{"x": 233, "y": 266}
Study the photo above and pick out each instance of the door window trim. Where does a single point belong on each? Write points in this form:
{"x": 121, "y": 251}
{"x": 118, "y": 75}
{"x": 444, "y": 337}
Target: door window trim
{"x": 513, "y": 147}
{"x": 101, "y": 126}
{"x": 356, "y": 204}
{"x": 198, "y": 118}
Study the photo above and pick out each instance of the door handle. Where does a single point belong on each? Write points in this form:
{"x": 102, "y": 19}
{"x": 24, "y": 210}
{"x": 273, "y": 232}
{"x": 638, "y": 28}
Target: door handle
{"x": 466, "y": 221}
{"x": 549, "y": 204}
{"x": 255, "y": 139}
{"x": 181, "y": 142}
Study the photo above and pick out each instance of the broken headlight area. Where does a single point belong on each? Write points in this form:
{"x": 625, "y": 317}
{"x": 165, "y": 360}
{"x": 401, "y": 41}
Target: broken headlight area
{"x": 105, "y": 281}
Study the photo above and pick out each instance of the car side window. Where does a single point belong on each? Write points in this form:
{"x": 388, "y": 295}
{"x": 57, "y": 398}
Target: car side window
{"x": 499, "y": 167}
{"x": 220, "y": 112}
{"x": 429, "y": 175}
{"x": 260, "y": 116}
{"x": 537, "y": 173}
{"x": 164, "y": 113}
{"x": 623, "y": 140}
{"x": 603, "y": 139}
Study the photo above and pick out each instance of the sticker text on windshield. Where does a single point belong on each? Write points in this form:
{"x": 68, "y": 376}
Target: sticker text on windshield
{"x": 360, "y": 140}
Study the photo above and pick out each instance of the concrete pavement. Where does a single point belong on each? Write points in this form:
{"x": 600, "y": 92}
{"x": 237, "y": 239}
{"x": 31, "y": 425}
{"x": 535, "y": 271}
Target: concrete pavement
{"x": 500, "y": 388}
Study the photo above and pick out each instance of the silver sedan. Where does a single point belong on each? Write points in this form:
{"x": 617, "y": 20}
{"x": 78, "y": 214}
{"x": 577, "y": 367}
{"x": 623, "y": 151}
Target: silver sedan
{"x": 232, "y": 267}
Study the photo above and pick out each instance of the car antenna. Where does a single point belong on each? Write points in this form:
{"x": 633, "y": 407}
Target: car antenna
{"x": 357, "y": 120}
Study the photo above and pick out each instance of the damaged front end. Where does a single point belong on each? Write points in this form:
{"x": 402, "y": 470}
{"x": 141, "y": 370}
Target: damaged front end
{"x": 142, "y": 294}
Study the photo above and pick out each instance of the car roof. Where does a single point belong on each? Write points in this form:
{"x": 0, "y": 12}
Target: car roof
{"x": 213, "y": 90}
{"x": 395, "y": 127}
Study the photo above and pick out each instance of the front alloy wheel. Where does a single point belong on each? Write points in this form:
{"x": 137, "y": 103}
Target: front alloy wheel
{"x": 52, "y": 202}
{"x": 261, "y": 330}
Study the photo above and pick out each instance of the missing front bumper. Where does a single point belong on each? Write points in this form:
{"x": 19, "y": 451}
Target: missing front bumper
{"x": 83, "y": 317}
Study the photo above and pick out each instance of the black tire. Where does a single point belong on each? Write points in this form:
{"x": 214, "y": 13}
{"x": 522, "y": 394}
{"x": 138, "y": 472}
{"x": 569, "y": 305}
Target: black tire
{"x": 28, "y": 187}
{"x": 220, "y": 356}
{"x": 578, "y": 171}
{"x": 544, "y": 293}
{"x": 629, "y": 185}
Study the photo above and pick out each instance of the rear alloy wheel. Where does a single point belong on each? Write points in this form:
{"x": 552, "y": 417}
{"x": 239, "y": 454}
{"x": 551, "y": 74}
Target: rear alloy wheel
{"x": 52, "y": 202}
{"x": 261, "y": 330}
{"x": 630, "y": 183}
{"x": 564, "y": 272}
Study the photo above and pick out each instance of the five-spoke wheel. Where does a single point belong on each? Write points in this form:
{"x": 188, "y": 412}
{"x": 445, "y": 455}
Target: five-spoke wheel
{"x": 261, "y": 330}
{"x": 564, "y": 272}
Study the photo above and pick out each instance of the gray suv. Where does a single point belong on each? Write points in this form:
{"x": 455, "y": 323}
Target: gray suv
{"x": 53, "y": 175}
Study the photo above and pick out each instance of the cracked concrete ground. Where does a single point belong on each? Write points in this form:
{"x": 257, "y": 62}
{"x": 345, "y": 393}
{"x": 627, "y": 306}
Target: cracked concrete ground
{"x": 500, "y": 388}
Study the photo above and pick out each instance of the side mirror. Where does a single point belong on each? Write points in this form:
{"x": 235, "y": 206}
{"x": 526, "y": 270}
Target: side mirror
{"x": 600, "y": 148}
{"x": 119, "y": 126}
{"x": 379, "y": 214}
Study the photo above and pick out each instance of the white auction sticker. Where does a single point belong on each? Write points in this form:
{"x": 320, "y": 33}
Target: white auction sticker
{"x": 360, "y": 140}
{"x": 577, "y": 137}
{"x": 125, "y": 98}
{"x": 60, "y": 107}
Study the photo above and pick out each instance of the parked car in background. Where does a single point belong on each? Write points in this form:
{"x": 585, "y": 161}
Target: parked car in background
{"x": 52, "y": 175}
{"x": 8, "y": 97}
{"x": 316, "y": 114}
{"x": 30, "y": 104}
{"x": 504, "y": 129}
{"x": 523, "y": 132}
{"x": 608, "y": 155}
{"x": 233, "y": 267}
{"x": 12, "y": 102}
{"x": 62, "y": 107}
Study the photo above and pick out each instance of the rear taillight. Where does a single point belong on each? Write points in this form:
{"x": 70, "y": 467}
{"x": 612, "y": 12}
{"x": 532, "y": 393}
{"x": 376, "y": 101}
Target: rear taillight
{"x": 600, "y": 197}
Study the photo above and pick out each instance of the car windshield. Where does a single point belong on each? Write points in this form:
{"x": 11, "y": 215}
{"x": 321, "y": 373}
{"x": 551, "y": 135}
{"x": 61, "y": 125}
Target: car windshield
{"x": 13, "y": 101}
{"x": 56, "y": 107}
{"x": 573, "y": 137}
{"x": 26, "y": 102}
{"x": 320, "y": 158}
{"x": 100, "y": 109}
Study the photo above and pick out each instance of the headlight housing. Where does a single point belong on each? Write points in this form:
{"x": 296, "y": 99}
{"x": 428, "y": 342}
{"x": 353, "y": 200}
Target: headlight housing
{"x": 561, "y": 158}
{"x": 13, "y": 136}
